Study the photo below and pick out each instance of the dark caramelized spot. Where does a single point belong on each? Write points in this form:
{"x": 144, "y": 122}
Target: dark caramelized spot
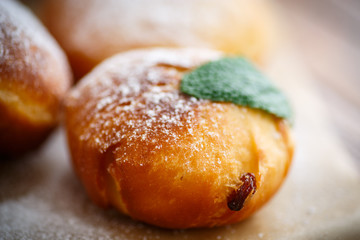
{"x": 237, "y": 198}
{"x": 125, "y": 103}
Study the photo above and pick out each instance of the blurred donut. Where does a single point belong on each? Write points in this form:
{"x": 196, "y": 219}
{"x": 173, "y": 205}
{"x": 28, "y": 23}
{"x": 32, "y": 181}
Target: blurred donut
{"x": 163, "y": 157}
{"x": 93, "y": 30}
{"x": 34, "y": 77}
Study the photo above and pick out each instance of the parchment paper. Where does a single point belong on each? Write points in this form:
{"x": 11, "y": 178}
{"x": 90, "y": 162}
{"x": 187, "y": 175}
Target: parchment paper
{"x": 40, "y": 197}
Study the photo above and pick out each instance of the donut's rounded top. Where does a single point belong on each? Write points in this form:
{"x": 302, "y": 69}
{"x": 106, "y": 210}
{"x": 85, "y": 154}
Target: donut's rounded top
{"x": 93, "y": 30}
{"x": 34, "y": 74}
{"x": 29, "y": 55}
{"x": 167, "y": 158}
{"x": 142, "y": 83}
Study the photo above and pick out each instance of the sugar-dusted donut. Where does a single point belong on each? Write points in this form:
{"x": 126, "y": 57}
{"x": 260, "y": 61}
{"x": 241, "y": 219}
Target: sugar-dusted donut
{"x": 166, "y": 158}
{"x": 34, "y": 77}
{"x": 93, "y": 30}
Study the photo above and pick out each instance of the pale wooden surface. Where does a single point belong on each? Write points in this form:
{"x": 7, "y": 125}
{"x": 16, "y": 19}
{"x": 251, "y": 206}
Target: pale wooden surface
{"x": 327, "y": 33}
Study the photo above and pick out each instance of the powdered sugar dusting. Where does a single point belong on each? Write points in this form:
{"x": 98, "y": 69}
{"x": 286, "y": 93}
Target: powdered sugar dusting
{"x": 138, "y": 100}
{"x": 26, "y": 49}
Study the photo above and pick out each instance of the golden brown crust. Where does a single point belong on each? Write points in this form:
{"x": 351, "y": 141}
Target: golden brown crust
{"x": 93, "y": 30}
{"x": 166, "y": 158}
{"x": 34, "y": 77}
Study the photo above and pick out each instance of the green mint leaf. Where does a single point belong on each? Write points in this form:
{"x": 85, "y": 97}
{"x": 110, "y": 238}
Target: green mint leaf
{"x": 234, "y": 79}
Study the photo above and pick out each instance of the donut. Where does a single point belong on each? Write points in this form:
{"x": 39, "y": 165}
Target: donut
{"x": 139, "y": 144}
{"x": 93, "y": 30}
{"x": 34, "y": 77}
